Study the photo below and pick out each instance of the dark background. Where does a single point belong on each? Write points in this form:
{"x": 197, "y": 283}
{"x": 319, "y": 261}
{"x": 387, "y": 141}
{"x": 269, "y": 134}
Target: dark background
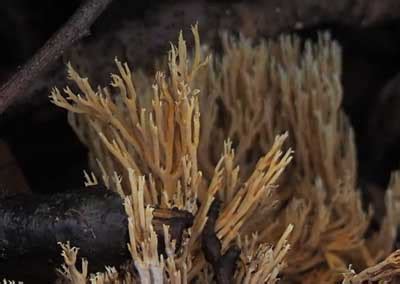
{"x": 52, "y": 159}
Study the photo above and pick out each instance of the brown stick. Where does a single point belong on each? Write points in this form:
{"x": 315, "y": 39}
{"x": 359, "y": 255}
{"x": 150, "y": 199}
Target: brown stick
{"x": 224, "y": 265}
{"x": 74, "y": 29}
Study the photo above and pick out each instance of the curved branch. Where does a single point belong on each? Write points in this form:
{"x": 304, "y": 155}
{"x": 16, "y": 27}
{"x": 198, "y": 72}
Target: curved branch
{"x": 75, "y": 28}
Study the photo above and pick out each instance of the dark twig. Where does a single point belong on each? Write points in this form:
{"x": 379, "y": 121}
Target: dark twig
{"x": 74, "y": 29}
{"x": 223, "y": 265}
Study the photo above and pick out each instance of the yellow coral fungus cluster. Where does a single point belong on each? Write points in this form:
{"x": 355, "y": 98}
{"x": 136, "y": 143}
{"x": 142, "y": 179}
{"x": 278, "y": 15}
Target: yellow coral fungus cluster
{"x": 221, "y": 128}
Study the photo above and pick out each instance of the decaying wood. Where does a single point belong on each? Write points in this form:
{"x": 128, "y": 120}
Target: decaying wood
{"x": 93, "y": 219}
{"x": 384, "y": 272}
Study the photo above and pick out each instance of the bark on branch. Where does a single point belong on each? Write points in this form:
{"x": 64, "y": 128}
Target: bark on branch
{"x": 74, "y": 29}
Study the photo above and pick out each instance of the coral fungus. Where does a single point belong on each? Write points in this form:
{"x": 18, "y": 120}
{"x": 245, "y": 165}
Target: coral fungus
{"x": 220, "y": 128}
